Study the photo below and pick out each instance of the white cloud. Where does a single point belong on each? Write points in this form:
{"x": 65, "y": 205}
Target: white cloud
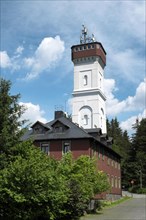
{"x": 33, "y": 113}
{"x": 5, "y": 61}
{"x": 48, "y": 53}
{"x": 126, "y": 64}
{"x": 128, "y": 124}
{"x": 131, "y": 103}
{"x": 19, "y": 50}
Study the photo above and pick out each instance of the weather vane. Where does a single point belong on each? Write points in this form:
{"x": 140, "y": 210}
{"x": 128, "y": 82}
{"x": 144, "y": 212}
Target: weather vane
{"x": 84, "y": 38}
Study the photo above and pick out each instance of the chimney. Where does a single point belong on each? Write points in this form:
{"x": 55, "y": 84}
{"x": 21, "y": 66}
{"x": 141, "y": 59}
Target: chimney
{"x": 59, "y": 114}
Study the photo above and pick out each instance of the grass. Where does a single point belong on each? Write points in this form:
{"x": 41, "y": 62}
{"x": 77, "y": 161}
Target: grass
{"x": 106, "y": 204}
{"x": 114, "y": 203}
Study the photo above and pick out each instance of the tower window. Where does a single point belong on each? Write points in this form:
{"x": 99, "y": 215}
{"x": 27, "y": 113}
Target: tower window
{"x": 85, "y": 80}
{"x": 100, "y": 83}
{"x": 85, "y": 119}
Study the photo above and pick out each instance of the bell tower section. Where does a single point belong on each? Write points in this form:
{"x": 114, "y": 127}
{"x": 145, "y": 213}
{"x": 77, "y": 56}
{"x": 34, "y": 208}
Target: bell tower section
{"x": 89, "y": 59}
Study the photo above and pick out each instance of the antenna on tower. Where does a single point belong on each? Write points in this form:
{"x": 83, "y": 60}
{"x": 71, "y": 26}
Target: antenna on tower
{"x": 84, "y": 38}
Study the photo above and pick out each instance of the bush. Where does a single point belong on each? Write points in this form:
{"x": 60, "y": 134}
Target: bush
{"x": 141, "y": 191}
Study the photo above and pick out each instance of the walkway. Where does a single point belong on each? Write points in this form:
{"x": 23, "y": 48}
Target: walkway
{"x": 133, "y": 209}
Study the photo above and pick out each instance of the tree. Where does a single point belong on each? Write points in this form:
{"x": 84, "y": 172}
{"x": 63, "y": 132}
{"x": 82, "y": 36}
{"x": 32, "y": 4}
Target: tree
{"x": 10, "y": 113}
{"x": 30, "y": 186}
{"x": 121, "y": 145}
{"x": 137, "y": 154}
{"x": 83, "y": 181}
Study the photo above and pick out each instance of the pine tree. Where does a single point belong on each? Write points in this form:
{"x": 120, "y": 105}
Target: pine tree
{"x": 10, "y": 123}
{"x": 121, "y": 146}
{"x": 137, "y": 154}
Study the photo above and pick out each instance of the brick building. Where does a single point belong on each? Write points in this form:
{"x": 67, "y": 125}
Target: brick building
{"x": 61, "y": 135}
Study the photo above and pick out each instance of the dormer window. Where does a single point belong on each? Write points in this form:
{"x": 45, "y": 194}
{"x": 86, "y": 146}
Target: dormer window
{"x": 37, "y": 130}
{"x": 58, "y": 129}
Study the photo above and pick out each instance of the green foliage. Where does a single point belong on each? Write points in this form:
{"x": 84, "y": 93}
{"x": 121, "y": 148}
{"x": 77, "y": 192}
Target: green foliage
{"x": 10, "y": 113}
{"x": 121, "y": 146}
{"x": 133, "y": 152}
{"x": 34, "y": 185}
{"x": 137, "y": 155}
{"x": 30, "y": 187}
{"x": 84, "y": 181}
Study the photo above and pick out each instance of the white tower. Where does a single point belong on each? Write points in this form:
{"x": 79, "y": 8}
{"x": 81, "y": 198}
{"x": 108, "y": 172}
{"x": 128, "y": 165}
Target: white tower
{"x": 89, "y": 58}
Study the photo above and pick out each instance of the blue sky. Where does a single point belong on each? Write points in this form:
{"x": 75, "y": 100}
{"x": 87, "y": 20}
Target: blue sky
{"x": 36, "y": 37}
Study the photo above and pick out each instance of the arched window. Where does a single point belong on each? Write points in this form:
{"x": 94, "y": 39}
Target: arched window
{"x": 85, "y": 80}
{"x": 85, "y": 119}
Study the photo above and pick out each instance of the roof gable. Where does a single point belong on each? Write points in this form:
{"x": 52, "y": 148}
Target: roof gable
{"x": 39, "y": 128}
{"x": 59, "y": 126}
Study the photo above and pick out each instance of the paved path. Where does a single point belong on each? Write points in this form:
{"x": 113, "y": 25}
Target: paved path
{"x": 133, "y": 209}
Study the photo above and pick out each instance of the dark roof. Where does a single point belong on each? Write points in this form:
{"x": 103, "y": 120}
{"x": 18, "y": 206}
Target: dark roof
{"x": 72, "y": 131}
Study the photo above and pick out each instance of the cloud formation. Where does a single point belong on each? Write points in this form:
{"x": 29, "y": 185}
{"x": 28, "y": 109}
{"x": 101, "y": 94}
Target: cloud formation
{"x": 32, "y": 113}
{"x": 128, "y": 124}
{"x": 131, "y": 103}
{"x": 48, "y": 53}
{"x": 5, "y": 60}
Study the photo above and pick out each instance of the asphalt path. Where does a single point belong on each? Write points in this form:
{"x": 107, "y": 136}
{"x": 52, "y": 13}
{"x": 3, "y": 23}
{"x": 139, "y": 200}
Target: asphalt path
{"x": 133, "y": 209}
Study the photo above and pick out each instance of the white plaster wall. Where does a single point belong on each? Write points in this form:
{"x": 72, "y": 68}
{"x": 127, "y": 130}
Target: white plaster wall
{"x": 89, "y": 96}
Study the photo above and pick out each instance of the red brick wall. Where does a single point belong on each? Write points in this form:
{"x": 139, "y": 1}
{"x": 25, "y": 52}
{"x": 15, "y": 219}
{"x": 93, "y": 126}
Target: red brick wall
{"x": 97, "y": 51}
{"x": 84, "y": 147}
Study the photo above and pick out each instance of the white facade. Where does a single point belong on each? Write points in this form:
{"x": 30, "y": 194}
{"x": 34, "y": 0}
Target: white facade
{"x": 88, "y": 94}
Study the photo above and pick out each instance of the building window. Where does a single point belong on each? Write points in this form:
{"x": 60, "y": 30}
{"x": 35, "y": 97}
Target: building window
{"x": 115, "y": 182}
{"x": 58, "y": 129}
{"x": 118, "y": 166}
{"x": 119, "y": 182}
{"x": 45, "y": 148}
{"x": 112, "y": 181}
{"x": 85, "y": 80}
{"x": 85, "y": 119}
{"x": 37, "y": 130}
{"x": 66, "y": 147}
{"x": 100, "y": 83}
